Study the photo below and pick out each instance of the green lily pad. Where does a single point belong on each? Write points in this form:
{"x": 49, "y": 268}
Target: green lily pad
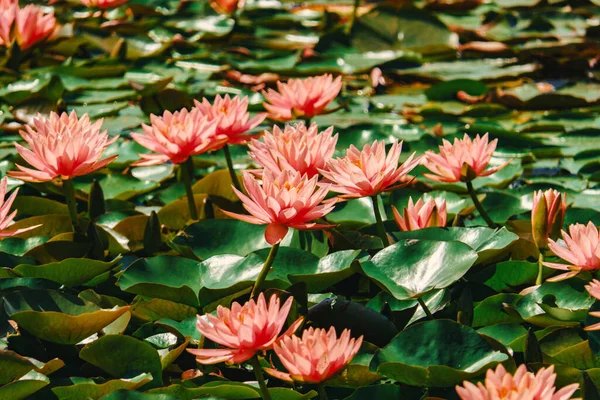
{"x": 25, "y": 386}
{"x": 88, "y": 388}
{"x": 69, "y": 272}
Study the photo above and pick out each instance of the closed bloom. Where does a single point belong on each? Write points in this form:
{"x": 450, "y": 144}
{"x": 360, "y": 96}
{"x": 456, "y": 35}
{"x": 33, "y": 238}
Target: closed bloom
{"x": 103, "y": 4}
{"x": 244, "y": 330}
{"x": 62, "y": 146}
{"x": 523, "y": 385}
{"x": 463, "y": 160}
{"x": 421, "y": 215}
{"x": 315, "y": 357}
{"x": 368, "y": 172}
{"x": 33, "y": 26}
{"x": 295, "y": 148}
{"x": 582, "y": 250}
{"x": 594, "y": 290}
{"x": 547, "y": 216}
{"x": 302, "y": 98}
{"x": 177, "y": 136}
{"x": 231, "y": 116}
{"x": 282, "y": 201}
{"x": 8, "y": 13}
{"x": 6, "y": 219}
{"x": 227, "y": 6}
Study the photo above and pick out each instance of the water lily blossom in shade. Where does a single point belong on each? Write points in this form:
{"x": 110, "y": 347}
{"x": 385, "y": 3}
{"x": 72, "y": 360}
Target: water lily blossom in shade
{"x": 523, "y": 385}
{"x": 581, "y": 250}
{"x": 315, "y": 357}
{"x": 227, "y": 7}
{"x": 231, "y": 116}
{"x": 369, "y": 171}
{"x": 547, "y": 216}
{"x": 62, "y": 146}
{"x": 33, "y": 25}
{"x": 463, "y": 160}
{"x": 244, "y": 330}
{"x": 103, "y": 4}
{"x": 177, "y": 136}
{"x": 295, "y": 148}
{"x": 421, "y": 215}
{"x": 8, "y": 13}
{"x": 594, "y": 290}
{"x": 301, "y": 98}
{"x": 6, "y": 219}
{"x": 283, "y": 200}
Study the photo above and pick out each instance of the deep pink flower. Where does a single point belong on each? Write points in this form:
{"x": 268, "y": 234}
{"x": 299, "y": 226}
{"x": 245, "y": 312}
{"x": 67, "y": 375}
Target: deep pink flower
{"x": 244, "y": 330}
{"x": 463, "y": 160}
{"x": 177, "y": 136}
{"x": 547, "y": 216}
{"x": 301, "y": 98}
{"x": 6, "y": 219}
{"x": 33, "y": 26}
{"x": 524, "y": 385}
{"x": 103, "y": 4}
{"x": 594, "y": 290}
{"x": 282, "y": 201}
{"x": 8, "y": 13}
{"x": 368, "y": 172}
{"x": 227, "y": 7}
{"x": 62, "y": 147}
{"x": 295, "y": 148}
{"x": 582, "y": 250}
{"x": 316, "y": 357}
{"x": 231, "y": 116}
{"x": 421, "y": 215}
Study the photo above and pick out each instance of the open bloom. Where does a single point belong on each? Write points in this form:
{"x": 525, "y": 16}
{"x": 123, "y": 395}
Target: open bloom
{"x": 227, "y": 6}
{"x": 244, "y": 330}
{"x": 62, "y": 146}
{"x": 421, "y": 215}
{"x": 6, "y": 219}
{"x": 33, "y": 26}
{"x": 582, "y": 250}
{"x": 368, "y": 172}
{"x": 8, "y": 13}
{"x": 231, "y": 116}
{"x": 463, "y": 160}
{"x": 316, "y": 356}
{"x": 295, "y": 148}
{"x": 594, "y": 290}
{"x": 523, "y": 385}
{"x": 177, "y": 136}
{"x": 282, "y": 201}
{"x": 302, "y": 98}
{"x": 103, "y": 4}
{"x": 547, "y": 216}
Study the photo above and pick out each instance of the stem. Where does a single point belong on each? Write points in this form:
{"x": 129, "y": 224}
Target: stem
{"x": 69, "y": 192}
{"x": 380, "y": 227}
{"x": 234, "y": 179}
{"x": 307, "y": 121}
{"x": 424, "y": 307}
{"x": 322, "y": 392}
{"x": 187, "y": 171}
{"x": 259, "y": 377}
{"x": 539, "y": 279}
{"x": 354, "y": 16}
{"x": 265, "y": 270}
{"x": 479, "y": 207}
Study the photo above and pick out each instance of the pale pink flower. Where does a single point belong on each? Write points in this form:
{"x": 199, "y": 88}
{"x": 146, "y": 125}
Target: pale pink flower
{"x": 244, "y": 330}
{"x": 62, "y": 146}
{"x": 524, "y": 385}
{"x": 6, "y": 219}
{"x": 33, "y": 26}
{"x": 295, "y": 148}
{"x": 463, "y": 160}
{"x": 547, "y": 216}
{"x": 227, "y": 7}
{"x": 301, "y": 98}
{"x": 421, "y": 215}
{"x": 8, "y": 13}
{"x": 368, "y": 172}
{"x": 594, "y": 290}
{"x": 231, "y": 116}
{"x": 282, "y": 201}
{"x": 315, "y": 357}
{"x": 103, "y": 4}
{"x": 582, "y": 250}
{"x": 177, "y": 136}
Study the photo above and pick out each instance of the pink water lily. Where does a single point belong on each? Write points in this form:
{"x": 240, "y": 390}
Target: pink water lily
{"x": 227, "y": 6}
{"x": 33, "y": 25}
{"x": 421, "y": 215}
{"x": 547, "y": 216}
{"x": 6, "y": 219}
{"x": 103, "y": 4}
{"x": 297, "y": 148}
{"x": 62, "y": 146}
{"x": 244, "y": 330}
{"x": 302, "y": 98}
{"x": 8, "y": 13}
{"x": 593, "y": 289}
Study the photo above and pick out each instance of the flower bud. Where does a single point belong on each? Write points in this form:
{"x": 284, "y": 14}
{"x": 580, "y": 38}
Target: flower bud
{"x": 547, "y": 216}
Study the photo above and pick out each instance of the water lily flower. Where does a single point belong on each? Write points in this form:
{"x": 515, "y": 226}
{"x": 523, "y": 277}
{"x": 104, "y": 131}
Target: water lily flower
{"x": 282, "y": 201}
{"x": 547, "y": 216}
{"x": 315, "y": 357}
{"x": 227, "y": 7}
{"x": 302, "y": 98}
{"x": 295, "y": 148}
{"x": 523, "y": 385}
{"x": 8, "y": 13}
{"x": 244, "y": 330}
{"x": 6, "y": 219}
{"x": 582, "y": 250}
{"x": 103, "y": 4}
{"x": 33, "y": 25}
{"x": 421, "y": 215}
{"x": 594, "y": 290}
